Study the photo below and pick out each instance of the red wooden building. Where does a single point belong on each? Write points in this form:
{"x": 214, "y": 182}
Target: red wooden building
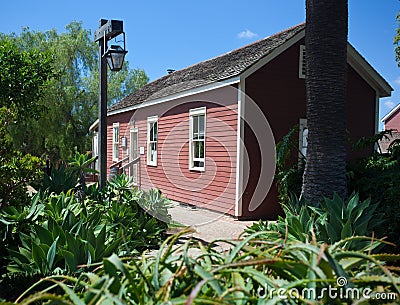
{"x": 205, "y": 135}
{"x": 392, "y": 119}
{"x": 392, "y": 122}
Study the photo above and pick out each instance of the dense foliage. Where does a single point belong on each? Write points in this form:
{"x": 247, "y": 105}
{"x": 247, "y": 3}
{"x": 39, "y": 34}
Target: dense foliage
{"x": 63, "y": 234}
{"x": 378, "y": 177}
{"x": 397, "y": 40}
{"x": 70, "y": 99}
{"x": 290, "y": 167}
{"x": 375, "y": 178}
{"x": 330, "y": 221}
{"x": 17, "y": 170}
{"x": 254, "y": 271}
{"x": 23, "y": 77}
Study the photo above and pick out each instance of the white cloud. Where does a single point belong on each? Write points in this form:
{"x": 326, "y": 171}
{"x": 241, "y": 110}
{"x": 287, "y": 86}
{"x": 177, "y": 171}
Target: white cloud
{"x": 397, "y": 81}
{"x": 246, "y": 34}
{"x": 389, "y": 104}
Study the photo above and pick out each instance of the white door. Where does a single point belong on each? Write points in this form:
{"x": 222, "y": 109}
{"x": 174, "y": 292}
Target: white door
{"x": 133, "y": 154}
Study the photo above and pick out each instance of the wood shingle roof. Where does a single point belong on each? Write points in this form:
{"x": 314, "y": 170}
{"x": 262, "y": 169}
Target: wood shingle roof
{"x": 220, "y": 68}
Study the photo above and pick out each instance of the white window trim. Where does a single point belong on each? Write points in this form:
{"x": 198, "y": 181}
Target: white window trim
{"x": 302, "y": 61}
{"x": 151, "y": 120}
{"x": 195, "y": 112}
{"x": 115, "y": 143}
{"x": 133, "y": 130}
{"x": 95, "y": 144}
{"x": 302, "y": 127}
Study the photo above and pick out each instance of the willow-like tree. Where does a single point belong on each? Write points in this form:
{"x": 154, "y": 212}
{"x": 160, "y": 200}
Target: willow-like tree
{"x": 397, "y": 40}
{"x": 71, "y": 98}
{"x": 326, "y": 85}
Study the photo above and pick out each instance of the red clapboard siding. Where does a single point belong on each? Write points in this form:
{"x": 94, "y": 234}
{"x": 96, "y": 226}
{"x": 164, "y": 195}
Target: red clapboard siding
{"x": 214, "y": 188}
{"x": 393, "y": 122}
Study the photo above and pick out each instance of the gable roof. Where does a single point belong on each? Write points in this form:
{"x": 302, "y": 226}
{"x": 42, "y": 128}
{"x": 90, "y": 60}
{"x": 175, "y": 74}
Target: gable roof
{"x": 392, "y": 112}
{"x": 233, "y": 64}
{"x": 210, "y": 71}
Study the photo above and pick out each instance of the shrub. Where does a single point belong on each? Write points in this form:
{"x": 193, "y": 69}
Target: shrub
{"x": 70, "y": 176}
{"x": 59, "y": 181}
{"x": 60, "y": 234}
{"x": 330, "y": 221}
{"x": 16, "y": 169}
{"x": 290, "y": 170}
{"x": 378, "y": 177}
{"x": 251, "y": 272}
{"x": 375, "y": 178}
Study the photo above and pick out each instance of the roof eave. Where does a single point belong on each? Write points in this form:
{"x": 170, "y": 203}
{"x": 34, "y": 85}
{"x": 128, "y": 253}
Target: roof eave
{"x": 386, "y": 117}
{"x": 94, "y": 126}
{"x": 370, "y": 75}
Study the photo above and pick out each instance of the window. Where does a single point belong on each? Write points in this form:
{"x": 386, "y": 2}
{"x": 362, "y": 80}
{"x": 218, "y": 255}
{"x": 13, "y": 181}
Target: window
{"x": 152, "y": 136}
{"x": 197, "y": 139}
{"x": 95, "y": 144}
{"x": 115, "y": 147}
{"x": 302, "y": 62}
{"x": 303, "y": 138}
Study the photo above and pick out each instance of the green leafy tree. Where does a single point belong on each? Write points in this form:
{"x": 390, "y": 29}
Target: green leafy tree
{"x": 21, "y": 87}
{"x": 71, "y": 98}
{"x": 22, "y": 77}
{"x": 397, "y": 40}
{"x": 17, "y": 170}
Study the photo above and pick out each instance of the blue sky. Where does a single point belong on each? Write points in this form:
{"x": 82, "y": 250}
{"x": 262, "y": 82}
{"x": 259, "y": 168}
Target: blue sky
{"x": 175, "y": 33}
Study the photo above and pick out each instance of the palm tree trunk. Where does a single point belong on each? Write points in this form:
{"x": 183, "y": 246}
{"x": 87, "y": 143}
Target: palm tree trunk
{"x": 326, "y": 82}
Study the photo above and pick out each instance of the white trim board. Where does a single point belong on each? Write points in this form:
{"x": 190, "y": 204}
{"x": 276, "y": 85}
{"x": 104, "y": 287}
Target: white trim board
{"x": 93, "y": 127}
{"x": 240, "y": 148}
{"x": 390, "y": 113}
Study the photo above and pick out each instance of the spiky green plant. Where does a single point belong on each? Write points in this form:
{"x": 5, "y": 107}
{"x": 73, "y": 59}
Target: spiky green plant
{"x": 253, "y": 271}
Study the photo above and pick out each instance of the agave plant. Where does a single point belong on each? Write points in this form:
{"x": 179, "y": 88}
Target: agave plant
{"x": 64, "y": 235}
{"x": 80, "y": 165}
{"x": 330, "y": 221}
{"x": 343, "y": 219}
{"x": 60, "y": 180}
{"x": 69, "y": 236}
{"x": 253, "y": 271}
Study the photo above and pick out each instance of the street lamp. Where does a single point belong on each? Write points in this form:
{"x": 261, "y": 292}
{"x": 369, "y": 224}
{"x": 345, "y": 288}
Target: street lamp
{"x": 114, "y": 56}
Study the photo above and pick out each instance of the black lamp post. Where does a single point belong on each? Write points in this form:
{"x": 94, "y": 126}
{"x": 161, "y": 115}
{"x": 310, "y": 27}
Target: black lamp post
{"x": 114, "y": 56}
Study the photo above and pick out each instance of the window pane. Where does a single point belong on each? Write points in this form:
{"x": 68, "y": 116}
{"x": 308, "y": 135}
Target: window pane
{"x": 116, "y": 152}
{"x": 196, "y": 150}
{"x": 195, "y": 124}
{"x": 201, "y": 126}
{"x": 201, "y": 149}
{"x": 153, "y": 151}
{"x": 116, "y": 134}
{"x": 151, "y": 133}
{"x": 198, "y": 164}
{"x": 305, "y": 137}
{"x": 155, "y": 128}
